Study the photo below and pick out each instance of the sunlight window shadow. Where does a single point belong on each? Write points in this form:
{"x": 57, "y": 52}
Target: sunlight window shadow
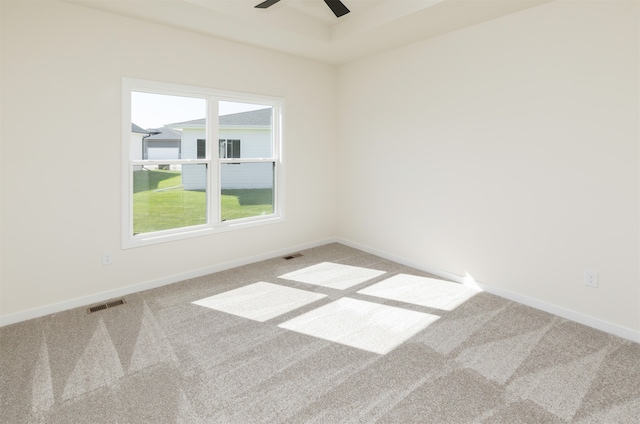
{"x": 422, "y": 291}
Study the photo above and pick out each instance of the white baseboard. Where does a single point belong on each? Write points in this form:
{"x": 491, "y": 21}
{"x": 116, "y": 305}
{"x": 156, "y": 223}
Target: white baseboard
{"x": 590, "y": 321}
{"x": 578, "y": 317}
{"x": 151, "y": 284}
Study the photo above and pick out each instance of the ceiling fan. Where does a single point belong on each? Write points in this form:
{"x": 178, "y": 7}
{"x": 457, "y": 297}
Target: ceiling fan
{"x": 336, "y": 6}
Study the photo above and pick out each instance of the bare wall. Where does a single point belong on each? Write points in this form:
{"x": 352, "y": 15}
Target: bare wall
{"x": 508, "y": 151}
{"x": 62, "y": 66}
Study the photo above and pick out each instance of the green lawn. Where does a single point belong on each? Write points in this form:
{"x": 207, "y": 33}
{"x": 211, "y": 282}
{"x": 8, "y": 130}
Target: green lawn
{"x": 160, "y": 203}
{"x": 238, "y": 204}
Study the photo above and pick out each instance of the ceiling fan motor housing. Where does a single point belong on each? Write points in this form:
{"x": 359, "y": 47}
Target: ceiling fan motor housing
{"x": 336, "y": 6}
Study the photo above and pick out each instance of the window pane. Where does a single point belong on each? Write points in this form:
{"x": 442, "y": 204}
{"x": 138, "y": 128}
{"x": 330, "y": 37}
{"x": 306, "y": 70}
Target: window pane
{"x": 246, "y": 190}
{"x": 166, "y": 199}
{"x": 166, "y": 127}
{"x": 246, "y": 130}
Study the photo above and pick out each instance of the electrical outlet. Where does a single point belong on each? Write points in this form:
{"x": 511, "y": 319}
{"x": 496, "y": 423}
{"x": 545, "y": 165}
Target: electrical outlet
{"x": 590, "y": 278}
{"x": 107, "y": 257}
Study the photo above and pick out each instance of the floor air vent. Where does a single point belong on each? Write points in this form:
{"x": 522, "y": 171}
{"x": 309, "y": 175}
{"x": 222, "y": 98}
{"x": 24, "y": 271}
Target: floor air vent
{"x": 106, "y": 305}
{"x": 293, "y": 256}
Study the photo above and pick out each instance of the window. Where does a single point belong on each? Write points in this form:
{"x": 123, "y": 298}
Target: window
{"x": 229, "y": 148}
{"x": 202, "y": 148}
{"x": 186, "y": 188}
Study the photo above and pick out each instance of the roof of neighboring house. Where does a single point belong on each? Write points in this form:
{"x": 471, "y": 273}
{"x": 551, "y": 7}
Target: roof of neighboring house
{"x": 260, "y": 117}
{"x": 137, "y": 129}
{"x": 253, "y": 117}
{"x": 163, "y": 134}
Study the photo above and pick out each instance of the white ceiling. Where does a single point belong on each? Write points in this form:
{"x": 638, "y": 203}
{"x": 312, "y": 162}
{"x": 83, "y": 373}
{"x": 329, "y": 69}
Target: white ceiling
{"x": 309, "y": 29}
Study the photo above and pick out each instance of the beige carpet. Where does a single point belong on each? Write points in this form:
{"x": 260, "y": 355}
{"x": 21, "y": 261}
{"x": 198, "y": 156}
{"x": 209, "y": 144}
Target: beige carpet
{"x": 334, "y": 336}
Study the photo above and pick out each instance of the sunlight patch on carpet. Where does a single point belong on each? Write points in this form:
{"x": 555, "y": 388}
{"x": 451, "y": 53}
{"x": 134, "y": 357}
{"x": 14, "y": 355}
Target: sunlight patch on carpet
{"x": 260, "y": 301}
{"x": 423, "y": 291}
{"x": 364, "y": 325}
{"x": 332, "y": 275}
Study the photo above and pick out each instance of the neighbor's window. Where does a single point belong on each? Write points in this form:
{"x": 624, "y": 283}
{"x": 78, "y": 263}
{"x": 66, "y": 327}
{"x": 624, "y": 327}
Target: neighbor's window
{"x": 175, "y": 186}
{"x": 229, "y": 148}
{"x": 202, "y": 148}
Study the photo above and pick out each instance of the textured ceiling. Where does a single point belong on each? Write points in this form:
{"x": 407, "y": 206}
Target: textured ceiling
{"x": 309, "y": 29}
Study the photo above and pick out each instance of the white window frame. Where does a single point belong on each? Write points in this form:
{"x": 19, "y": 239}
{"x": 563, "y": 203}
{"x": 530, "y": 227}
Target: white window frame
{"x": 213, "y": 162}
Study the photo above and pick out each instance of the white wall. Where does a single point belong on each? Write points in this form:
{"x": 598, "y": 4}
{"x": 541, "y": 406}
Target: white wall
{"x": 508, "y": 151}
{"x": 62, "y": 66}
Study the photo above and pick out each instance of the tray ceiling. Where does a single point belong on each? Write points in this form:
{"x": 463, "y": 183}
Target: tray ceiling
{"x": 309, "y": 29}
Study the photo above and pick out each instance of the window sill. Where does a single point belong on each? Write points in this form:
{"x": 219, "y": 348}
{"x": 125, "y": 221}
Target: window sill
{"x": 148, "y": 239}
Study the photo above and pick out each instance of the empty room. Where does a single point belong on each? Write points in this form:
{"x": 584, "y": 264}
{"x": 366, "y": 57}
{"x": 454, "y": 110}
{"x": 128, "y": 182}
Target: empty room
{"x": 308, "y": 211}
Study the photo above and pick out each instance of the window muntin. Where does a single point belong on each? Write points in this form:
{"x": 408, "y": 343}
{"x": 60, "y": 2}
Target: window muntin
{"x": 194, "y": 192}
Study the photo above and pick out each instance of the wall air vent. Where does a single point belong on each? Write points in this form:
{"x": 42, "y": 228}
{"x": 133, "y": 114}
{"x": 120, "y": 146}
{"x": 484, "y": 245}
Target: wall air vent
{"x": 293, "y": 256}
{"x": 106, "y": 305}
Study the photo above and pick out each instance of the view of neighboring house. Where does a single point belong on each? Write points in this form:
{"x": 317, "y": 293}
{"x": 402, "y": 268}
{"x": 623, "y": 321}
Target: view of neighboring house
{"x": 241, "y": 135}
{"x": 162, "y": 143}
{"x": 154, "y": 144}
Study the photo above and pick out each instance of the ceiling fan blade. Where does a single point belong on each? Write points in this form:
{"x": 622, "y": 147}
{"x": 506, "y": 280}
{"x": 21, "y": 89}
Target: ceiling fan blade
{"x": 266, "y": 4}
{"x": 337, "y": 7}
